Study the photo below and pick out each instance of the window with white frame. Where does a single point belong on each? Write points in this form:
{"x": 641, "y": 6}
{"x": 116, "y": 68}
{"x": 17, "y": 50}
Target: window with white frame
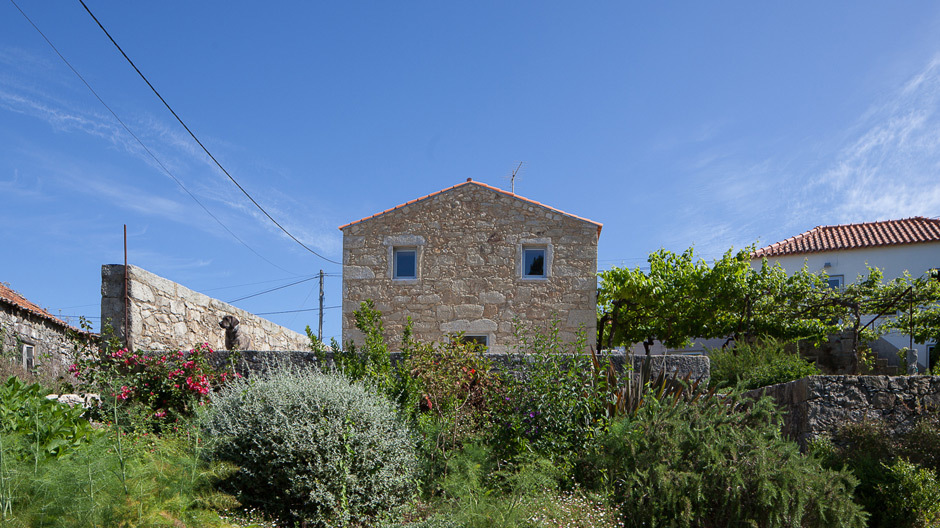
{"x": 29, "y": 356}
{"x": 405, "y": 263}
{"x": 534, "y": 262}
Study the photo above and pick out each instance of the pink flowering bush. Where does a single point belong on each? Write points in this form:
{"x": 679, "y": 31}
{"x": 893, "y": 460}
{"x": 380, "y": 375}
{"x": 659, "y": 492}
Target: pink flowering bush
{"x": 167, "y": 385}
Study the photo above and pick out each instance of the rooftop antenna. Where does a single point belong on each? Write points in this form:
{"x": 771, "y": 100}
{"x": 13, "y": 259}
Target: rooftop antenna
{"x": 512, "y": 179}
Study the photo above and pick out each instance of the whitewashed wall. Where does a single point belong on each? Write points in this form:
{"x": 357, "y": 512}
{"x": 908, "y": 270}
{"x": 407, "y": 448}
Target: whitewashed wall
{"x": 917, "y": 259}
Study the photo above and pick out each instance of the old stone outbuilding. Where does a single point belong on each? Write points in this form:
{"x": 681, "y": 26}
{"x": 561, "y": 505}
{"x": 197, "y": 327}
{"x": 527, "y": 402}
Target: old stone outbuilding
{"x": 472, "y": 259}
{"x": 31, "y": 336}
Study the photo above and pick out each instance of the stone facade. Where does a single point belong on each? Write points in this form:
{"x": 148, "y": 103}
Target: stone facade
{"x": 468, "y": 243}
{"x": 164, "y": 315}
{"x": 34, "y": 338}
{"x": 820, "y": 405}
{"x": 49, "y": 340}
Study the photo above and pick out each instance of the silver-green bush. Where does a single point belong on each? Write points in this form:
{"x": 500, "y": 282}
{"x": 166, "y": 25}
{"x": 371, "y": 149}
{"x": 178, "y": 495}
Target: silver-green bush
{"x": 312, "y": 447}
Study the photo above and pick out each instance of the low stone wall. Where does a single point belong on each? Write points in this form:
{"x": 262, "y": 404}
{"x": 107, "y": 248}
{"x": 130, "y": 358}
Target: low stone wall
{"x": 697, "y": 367}
{"x": 820, "y": 405}
{"x": 164, "y": 315}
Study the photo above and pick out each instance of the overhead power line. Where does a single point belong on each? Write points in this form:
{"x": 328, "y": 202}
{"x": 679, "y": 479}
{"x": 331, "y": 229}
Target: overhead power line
{"x": 274, "y": 289}
{"x": 139, "y": 142}
{"x": 196, "y": 139}
{"x": 296, "y": 311}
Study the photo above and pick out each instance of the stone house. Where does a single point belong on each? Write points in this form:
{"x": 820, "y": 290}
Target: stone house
{"x": 31, "y": 336}
{"x": 472, "y": 259}
{"x": 845, "y": 251}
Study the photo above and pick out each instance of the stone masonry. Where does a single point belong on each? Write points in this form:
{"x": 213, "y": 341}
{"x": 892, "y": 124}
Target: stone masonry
{"x": 820, "y": 405}
{"x": 469, "y": 241}
{"x": 50, "y": 341}
{"x": 165, "y": 315}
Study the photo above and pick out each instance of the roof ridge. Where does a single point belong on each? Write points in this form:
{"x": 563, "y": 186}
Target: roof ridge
{"x": 486, "y": 186}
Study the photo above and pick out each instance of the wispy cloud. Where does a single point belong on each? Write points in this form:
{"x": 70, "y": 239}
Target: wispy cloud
{"x": 890, "y": 167}
{"x": 174, "y": 149}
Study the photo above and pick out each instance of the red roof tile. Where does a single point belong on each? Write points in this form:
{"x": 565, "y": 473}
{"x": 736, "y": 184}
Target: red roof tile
{"x": 496, "y": 189}
{"x": 10, "y": 297}
{"x": 916, "y": 230}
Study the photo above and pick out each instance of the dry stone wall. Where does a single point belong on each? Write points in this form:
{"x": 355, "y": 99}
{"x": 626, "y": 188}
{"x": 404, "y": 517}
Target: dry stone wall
{"x": 696, "y": 367}
{"x": 820, "y": 405}
{"x": 164, "y": 315}
{"x": 469, "y": 241}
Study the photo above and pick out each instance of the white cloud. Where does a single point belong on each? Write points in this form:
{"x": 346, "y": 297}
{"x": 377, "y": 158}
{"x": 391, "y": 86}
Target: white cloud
{"x": 890, "y": 168}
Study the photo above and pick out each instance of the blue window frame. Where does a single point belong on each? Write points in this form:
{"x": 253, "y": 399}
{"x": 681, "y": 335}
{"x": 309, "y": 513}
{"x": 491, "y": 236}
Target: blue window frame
{"x": 406, "y": 263}
{"x": 533, "y": 262}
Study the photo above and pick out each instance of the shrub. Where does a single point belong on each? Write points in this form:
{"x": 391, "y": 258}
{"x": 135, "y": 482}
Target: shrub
{"x": 167, "y": 386}
{"x": 897, "y": 472}
{"x": 757, "y": 365}
{"x": 312, "y": 447}
{"x": 718, "y": 463}
{"x": 911, "y": 496}
{"x": 37, "y": 427}
{"x": 552, "y": 407}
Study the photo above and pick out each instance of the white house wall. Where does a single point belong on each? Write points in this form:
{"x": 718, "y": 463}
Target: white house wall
{"x": 917, "y": 259}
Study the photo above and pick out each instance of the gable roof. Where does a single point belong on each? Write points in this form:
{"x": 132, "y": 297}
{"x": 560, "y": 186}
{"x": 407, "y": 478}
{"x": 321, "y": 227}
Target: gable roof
{"x": 10, "y": 297}
{"x": 916, "y": 230}
{"x": 495, "y": 189}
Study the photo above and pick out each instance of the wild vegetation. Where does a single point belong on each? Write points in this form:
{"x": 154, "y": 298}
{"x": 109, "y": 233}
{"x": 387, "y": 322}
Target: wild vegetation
{"x": 444, "y": 438}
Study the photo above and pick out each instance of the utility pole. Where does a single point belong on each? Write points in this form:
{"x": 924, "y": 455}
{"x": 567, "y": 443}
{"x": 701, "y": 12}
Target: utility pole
{"x": 320, "y": 328}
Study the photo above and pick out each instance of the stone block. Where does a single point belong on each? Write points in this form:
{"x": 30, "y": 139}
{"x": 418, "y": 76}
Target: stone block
{"x": 468, "y": 311}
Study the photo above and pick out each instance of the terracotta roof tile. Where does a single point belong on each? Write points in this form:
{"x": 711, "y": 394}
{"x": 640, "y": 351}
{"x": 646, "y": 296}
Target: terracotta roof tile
{"x": 10, "y": 297}
{"x": 496, "y": 189}
{"x": 916, "y": 230}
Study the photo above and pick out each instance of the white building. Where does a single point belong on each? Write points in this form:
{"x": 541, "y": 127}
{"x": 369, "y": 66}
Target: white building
{"x": 845, "y": 251}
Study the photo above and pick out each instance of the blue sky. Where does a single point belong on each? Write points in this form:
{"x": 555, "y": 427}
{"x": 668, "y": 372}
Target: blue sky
{"x": 713, "y": 124}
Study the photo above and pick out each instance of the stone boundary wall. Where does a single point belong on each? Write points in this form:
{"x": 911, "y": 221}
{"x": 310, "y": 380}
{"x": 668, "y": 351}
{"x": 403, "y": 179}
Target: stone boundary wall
{"x": 820, "y": 405}
{"x": 164, "y": 315}
{"x": 251, "y": 361}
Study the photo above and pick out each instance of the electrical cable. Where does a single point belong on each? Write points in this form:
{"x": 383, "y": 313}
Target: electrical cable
{"x": 219, "y": 165}
{"x": 295, "y": 311}
{"x": 141, "y": 143}
{"x": 274, "y": 289}
{"x": 248, "y": 284}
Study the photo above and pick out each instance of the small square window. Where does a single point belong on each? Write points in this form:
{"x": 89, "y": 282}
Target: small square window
{"x": 533, "y": 262}
{"x": 405, "y": 263}
{"x": 480, "y": 340}
{"x": 835, "y": 281}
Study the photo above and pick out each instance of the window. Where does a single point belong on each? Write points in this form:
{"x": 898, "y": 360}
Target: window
{"x": 533, "y": 262}
{"x": 405, "y": 262}
{"x": 481, "y": 340}
{"x": 29, "y": 357}
{"x": 835, "y": 281}
{"x": 932, "y": 357}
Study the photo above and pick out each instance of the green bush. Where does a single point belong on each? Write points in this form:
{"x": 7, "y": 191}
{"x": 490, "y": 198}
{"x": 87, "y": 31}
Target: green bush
{"x": 757, "y": 365}
{"x": 897, "y": 472}
{"x": 312, "y": 447}
{"x": 552, "y": 407}
{"x": 911, "y": 496}
{"x": 720, "y": 462}
{"x": 37, "y": 427}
